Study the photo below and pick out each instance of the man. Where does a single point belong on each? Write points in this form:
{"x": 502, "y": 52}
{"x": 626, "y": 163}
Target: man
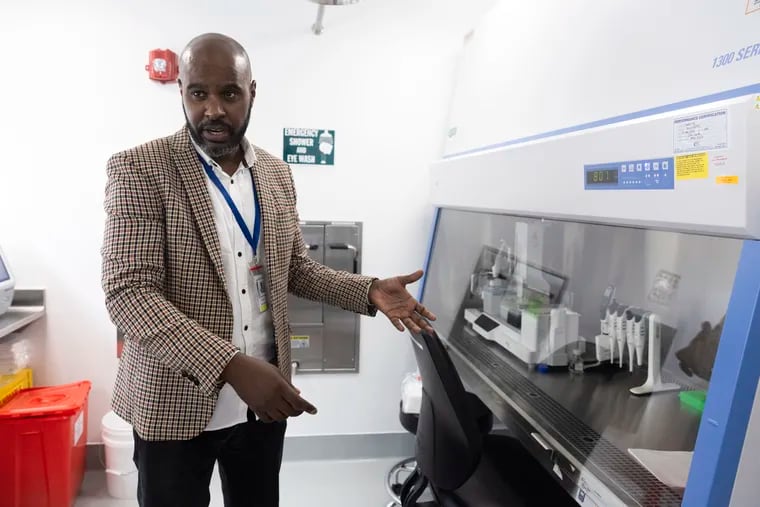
{"x": 201, "y": 246}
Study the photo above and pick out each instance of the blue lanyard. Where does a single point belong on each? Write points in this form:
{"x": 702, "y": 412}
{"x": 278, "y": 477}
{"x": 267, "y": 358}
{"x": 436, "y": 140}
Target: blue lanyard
{"x": 253, "y": 240}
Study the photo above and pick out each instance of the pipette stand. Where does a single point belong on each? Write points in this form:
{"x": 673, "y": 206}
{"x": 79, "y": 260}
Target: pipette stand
{"x": 654, "y": 382}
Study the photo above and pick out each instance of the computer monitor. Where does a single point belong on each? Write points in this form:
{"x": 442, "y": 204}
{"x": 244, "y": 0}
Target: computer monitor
{"x": 7, "y": 284}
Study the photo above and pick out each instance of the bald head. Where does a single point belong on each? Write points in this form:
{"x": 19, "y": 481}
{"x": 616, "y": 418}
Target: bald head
{"x": 217, "y": 93}
{"x": 210, "y": 47}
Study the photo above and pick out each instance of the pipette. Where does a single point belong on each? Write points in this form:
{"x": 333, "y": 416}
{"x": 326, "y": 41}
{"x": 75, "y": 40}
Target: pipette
{"x": 629, "y": 337}
{"x": 612, "y": 328}
{"x": 620, "y": 331}
{"x": 640, "y": 336}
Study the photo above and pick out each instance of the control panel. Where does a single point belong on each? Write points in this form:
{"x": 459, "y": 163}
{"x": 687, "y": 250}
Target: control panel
{"x": 652, "y": 174}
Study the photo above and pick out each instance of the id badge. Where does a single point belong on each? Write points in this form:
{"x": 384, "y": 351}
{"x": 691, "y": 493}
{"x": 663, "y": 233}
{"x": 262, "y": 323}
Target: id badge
{"x": 260, "y": 287}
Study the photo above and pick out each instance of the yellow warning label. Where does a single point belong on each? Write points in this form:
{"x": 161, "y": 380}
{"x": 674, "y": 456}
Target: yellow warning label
{"x": 692, "y": 167}
{"x": 727, "y": 180}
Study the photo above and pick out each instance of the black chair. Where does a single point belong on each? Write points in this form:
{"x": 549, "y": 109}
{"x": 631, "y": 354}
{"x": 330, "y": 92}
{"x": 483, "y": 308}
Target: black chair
{"x": 408, "y": 466}
{"x": 463, "y": 464}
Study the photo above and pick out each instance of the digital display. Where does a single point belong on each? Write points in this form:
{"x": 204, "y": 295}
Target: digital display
{"x": 4, "y": 275}
{"x": 602, "y": 177}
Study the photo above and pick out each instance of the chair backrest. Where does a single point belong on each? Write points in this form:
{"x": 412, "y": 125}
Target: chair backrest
{"x": 449, "y": 444}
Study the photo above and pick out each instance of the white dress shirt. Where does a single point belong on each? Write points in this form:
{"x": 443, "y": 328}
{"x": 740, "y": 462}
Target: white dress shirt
{"x": 253, "y": 332}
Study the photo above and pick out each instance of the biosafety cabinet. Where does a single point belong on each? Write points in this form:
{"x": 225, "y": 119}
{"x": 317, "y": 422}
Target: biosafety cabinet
{"x": 599, "y": 291}
{"x": 326, "y": 338}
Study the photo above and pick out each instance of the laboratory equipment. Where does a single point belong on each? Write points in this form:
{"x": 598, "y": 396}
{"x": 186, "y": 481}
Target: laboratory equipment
{"x": 520, "y": 304}
{"x": 621, "y": 331}
{"x": 639, "y": 337}
{"x": 633, "y": 325}
{"x": 7, "y": 284}
{"x": 614, "y": 237}
{"x": 608, "y": 333}
{"x": 654, "y": 381}
{"x": 535, "y": 336}
{"x": 630, "y": 322}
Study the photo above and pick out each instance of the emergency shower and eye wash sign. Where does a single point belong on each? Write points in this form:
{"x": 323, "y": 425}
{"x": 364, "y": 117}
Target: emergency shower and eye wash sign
{"x": 308, "y": 146}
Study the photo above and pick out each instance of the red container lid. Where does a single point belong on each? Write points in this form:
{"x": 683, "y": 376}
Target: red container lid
{"x": 47, "y": 401}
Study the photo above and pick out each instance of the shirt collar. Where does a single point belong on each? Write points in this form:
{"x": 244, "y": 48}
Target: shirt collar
{"x": 249, "y": 154}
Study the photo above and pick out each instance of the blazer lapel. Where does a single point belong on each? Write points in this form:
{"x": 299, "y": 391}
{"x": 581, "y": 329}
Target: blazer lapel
{"x": 191, "y": 174}
{"x": 269, "y": 213}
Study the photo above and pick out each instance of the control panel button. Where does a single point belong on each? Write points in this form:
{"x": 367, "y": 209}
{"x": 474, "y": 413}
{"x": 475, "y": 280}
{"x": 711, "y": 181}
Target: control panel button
{"x": 655, "y": 166}
{"x": 664, "y": 165}
{"x": 646, "y": 166}
{"x": 638, "y": 167}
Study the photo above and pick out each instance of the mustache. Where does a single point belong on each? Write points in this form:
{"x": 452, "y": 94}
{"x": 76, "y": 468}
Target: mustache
{"x": 213, "y": 124}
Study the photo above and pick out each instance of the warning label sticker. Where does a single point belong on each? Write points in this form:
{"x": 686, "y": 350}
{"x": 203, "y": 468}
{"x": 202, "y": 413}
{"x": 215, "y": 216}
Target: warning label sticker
{"x": 692, "y": 167}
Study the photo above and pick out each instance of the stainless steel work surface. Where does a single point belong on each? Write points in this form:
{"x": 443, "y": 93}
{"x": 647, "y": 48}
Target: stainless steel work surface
{"x": 592, "y": 417}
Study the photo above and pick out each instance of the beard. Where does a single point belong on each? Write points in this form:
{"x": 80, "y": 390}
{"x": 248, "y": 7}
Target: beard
{"x": 218, "y": 150}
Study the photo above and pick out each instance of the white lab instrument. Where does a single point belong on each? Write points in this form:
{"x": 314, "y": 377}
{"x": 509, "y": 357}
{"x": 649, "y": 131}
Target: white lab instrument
{"x": 654, "y": 382}
{"x": 493, "y": 293}
{"x": 605, "y": 340}
{"x": 535, "y": 335}
{"x": 528, "y": 276}
{"x": 620, "y": 331}
{"x": 504, "y": 262}
{"x": 602, "y": 352}
{"x": 640, "y": 336}
{"x": 563, "y": 327}
{"x": 491, "y": 285}
{"x": 630, "y": 323}
{"x": 7, "y": 284}
{"x": 604, "y": 330}
{"x": 603, "y": 337}
{"x": 612, "y": 326}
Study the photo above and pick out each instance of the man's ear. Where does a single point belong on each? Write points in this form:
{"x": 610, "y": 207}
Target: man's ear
{"x": 253, "y": 89}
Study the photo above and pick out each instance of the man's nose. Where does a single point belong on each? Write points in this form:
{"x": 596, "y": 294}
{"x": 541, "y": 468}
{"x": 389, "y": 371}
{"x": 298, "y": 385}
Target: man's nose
{"x": 214, "y": 109}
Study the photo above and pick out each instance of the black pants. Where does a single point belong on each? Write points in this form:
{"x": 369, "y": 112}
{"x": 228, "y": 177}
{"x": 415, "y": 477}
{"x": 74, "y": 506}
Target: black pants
{"x": 178, "y": 473}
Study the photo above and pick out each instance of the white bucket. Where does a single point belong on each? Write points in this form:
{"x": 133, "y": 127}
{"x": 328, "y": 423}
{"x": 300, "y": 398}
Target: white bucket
{"x": 121, "y": 473}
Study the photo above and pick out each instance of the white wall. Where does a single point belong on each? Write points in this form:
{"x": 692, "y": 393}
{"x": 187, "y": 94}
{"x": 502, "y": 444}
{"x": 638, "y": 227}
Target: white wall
{"x": 74, "y": 91}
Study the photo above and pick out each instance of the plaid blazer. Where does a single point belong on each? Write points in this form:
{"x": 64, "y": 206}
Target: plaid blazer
{"x": 165, "y": 289}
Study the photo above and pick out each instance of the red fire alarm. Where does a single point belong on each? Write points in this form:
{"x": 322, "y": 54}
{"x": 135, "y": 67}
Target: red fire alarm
{"x": 163, "y": 65}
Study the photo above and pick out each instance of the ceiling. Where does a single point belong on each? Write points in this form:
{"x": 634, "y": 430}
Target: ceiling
{"x": 279, "y": 18}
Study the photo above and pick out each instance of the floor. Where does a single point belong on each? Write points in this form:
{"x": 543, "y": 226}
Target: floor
{"x": 312, "y": 483}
